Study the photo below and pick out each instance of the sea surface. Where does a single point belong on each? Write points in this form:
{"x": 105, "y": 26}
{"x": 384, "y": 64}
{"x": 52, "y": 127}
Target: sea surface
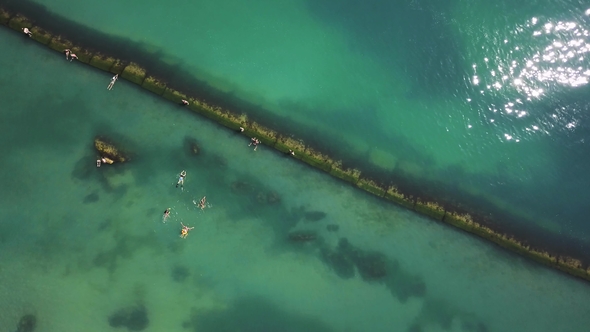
{"x": 480, "y": 103}
{"x": 485, "y": 98}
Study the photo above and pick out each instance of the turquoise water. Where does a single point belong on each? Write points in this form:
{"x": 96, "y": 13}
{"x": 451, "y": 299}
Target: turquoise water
{"x": 80, "y": 243}
{"x": 479, "y": 103}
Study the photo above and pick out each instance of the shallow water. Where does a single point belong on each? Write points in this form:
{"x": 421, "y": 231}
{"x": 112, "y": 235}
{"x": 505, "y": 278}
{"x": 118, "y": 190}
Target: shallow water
{"x": 78, "y": 243}
{"x": 473, "y": 100}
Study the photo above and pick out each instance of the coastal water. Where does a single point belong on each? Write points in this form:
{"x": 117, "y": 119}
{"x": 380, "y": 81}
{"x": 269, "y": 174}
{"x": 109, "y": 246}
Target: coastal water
{"x": 481, "y": 103}
{"x": 86, "y": 248}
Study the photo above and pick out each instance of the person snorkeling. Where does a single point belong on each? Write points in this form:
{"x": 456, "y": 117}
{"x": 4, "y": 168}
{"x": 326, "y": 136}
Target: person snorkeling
{"x": 202, "y": 202}
{"x": 181, "y": 179}
{"x": 166, "y": 213}
{"x": 184, "y": 231}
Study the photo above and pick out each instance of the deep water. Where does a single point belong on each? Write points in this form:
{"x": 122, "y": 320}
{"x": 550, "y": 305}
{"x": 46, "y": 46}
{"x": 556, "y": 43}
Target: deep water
{"x": 415, "y": 87}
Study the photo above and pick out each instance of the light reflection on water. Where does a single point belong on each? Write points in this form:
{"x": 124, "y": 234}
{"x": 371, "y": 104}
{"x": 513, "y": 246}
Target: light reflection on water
{"x": 536, "y": 61}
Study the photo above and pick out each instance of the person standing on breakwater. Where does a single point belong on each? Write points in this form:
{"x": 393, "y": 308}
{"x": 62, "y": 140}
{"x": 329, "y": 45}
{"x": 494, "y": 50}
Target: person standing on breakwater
{"x": 73, "y": 56}
{"x": 67, "y": 52}
{"x": 113, "y": 80}
{"x": 181, "y": 179}
{"x": 184, "y": 103}
{"x": 27, "y": 32}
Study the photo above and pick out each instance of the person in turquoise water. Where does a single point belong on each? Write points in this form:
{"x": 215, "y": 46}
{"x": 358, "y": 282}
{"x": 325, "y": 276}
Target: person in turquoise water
{"x": 166, "y": 214}
{"x": 113, "y": 81}
{"x": 184, "y": 231}
{"x": 181, "y": 179}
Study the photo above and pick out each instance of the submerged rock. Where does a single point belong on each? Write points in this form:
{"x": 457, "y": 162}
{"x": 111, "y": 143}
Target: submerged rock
{"x": 109, "y": 151}
{"x": 341, "y": 264}
{"x": 273, "y": 197}
{"x": 133, "y": 318}
{"x": 332, "y": 228}
{"x": 314, "y": 215}
{"x": 192, "y": 146}
{"x": 302, "y": 236}
{"x": 27, "y": 323}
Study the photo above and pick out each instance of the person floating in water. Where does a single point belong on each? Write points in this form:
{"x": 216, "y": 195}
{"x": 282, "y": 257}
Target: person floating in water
{"x": 166, "y": 214}
{"x": 27, "y": 32}
{"x": 254, "y": 141}
{"x": 181, "y": 179}
{"x": 113, "y": 80}
{"x": 184, "y": 231}
{"x": 202, "y": 202}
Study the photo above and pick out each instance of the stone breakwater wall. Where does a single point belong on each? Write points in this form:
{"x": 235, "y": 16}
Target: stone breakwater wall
{"x": 151, "y": 79}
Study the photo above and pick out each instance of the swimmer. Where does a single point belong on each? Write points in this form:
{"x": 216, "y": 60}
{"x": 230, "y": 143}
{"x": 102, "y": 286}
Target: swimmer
{"x": 113, "y": 80}
{"x": 98, "y": 162}
{"x": 27, "y": 32}
{"x": 254, "y": 141}
{"x": 181, "y": 179}
{"x": 184, "y": 231}
{"x": 203, "y": 202}
{"x": 166, "y": 214}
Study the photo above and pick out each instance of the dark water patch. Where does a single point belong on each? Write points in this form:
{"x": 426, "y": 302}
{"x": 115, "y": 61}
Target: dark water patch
{"x": 339, "y": 262}
{"x": 415, "y": 328}
{"x": 133, "y": 318}
{"x": 191, "y": 146}
{"x": 441, "y": 314}
{"x": 91, "y": 198}
{"x": 126, "y": 245}
{"x": 253, "y": 314}
{"x": 57, "y": 127}
{"x": 27, "y": 323}
{"x": 374, "y": 267}
{"x": 179, "y": 273}
{"x": 421, "y": 28}
{"x": 85, "y": 170}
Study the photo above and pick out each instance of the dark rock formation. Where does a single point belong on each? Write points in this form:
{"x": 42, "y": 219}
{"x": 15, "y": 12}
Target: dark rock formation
{"x": 314, "y": 216}
{"x": 302, "y": 236}
{"x": 332, "y": 228}
{"x": 109, "y": 150}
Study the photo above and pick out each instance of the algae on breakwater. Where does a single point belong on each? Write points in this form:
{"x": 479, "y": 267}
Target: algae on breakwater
{"x": 148, "y": 73}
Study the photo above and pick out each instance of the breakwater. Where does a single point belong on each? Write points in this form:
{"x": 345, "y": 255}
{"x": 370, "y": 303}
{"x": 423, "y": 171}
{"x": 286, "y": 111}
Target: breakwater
{"x": 141, "y": 65}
